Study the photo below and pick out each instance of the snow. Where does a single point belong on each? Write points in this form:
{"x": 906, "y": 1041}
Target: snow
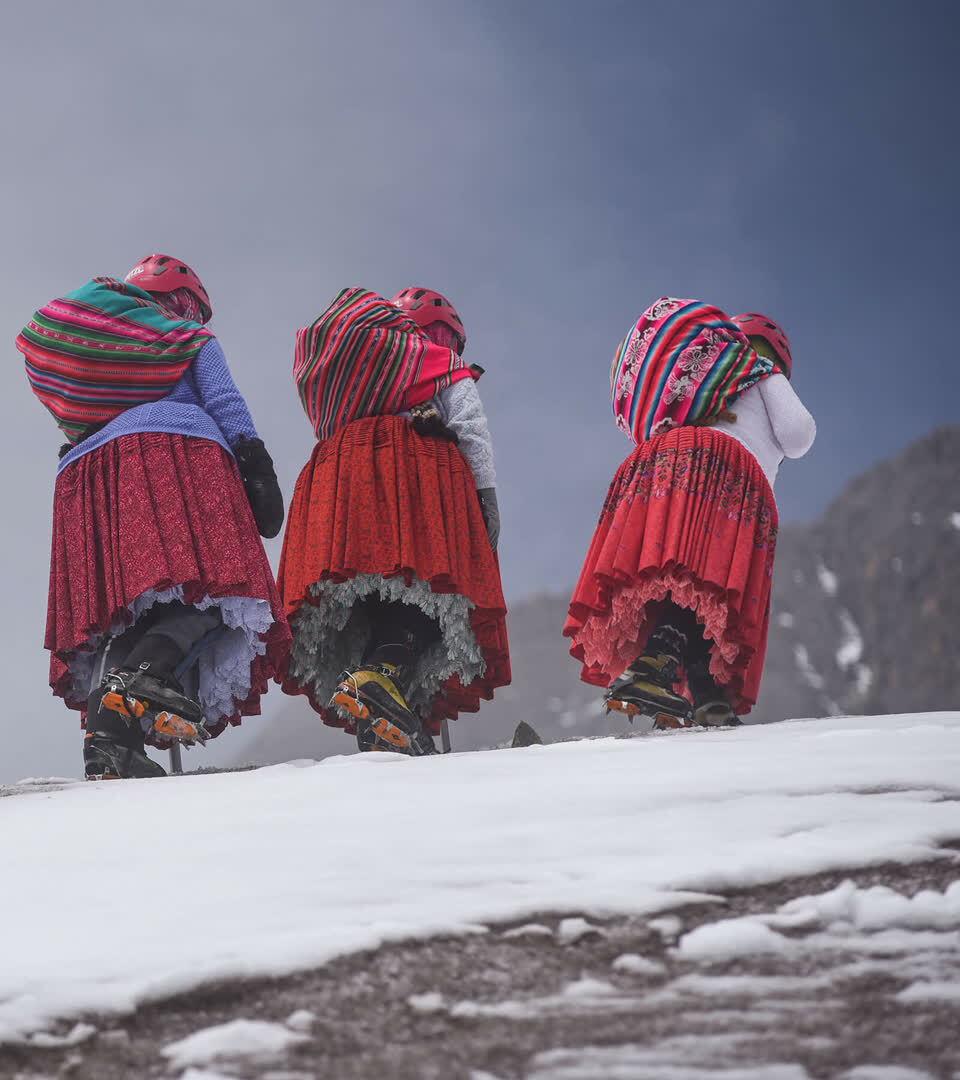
{"x": 206, "y": 1074}
{"x": 667, "y": 926}
{"x": 254, "y": 1040}
{"x": 810, "y": 675}
{"x": 863, "y": 679}
{"x": 430, "y": 1002}
{"x": 955, "y": 519}
{"x": 634, "y": 964}
{"x": 657, "y": 1062}
{"x": 827, "y": 579}
{"x": 917, "y": 518}
{"x": 529, "y": 930}
{"x": 276, "y": 881}
{"x": 573, "y": 930}
{"x": 885, "y": 1072}
{"x": 730, "y": 937}
{"x": 931, "y": 991}
{"x": 876, "y": 908}
{"x": 79, "y": 1033}
{"x": 301, "y": 1020}
{"x": 851, "y": 646}
{"x": 785, "y": 619}
{"x": 585, "y": 987}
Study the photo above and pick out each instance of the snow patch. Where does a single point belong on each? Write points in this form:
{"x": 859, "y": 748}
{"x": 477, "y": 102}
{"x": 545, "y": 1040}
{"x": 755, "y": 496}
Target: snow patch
{"x": 431, "y": 1002}
{"x": 851, "y": 646}
{"x": 917, "y": 518}
{"x": 785, "y": 619}
{"x": 302, "y": 1020}
{"x": 528, "y": 930}
{"x": 254, "y": 1040}
{"x": 885, "y": 1072}
{"x": 79, "y": 1033}
{"x": 808, "y": 672}
{"x": 955, "y": 519}
{"x": 863, "y": 679}
{"x": 206, "y": 1074}
{"x": 930, "y": 991}
{"x": 657, "y": 1062}
{"x": 586, "y": 987}
{"x": 635, "y": 964}
{"x": 731, "y": 937}
{"x": 827, "y": 578}
{"x": 573, "y": 930}
{"x": 667, "y": 926}
{"x": 871, "y": 909}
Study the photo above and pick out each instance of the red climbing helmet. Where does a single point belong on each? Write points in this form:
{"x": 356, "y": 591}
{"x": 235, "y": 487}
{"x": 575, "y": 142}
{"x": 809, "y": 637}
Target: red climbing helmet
{"x": 425, "y": 306}
{"x": 755, "y": 325}
{"x": 163, "y": 274}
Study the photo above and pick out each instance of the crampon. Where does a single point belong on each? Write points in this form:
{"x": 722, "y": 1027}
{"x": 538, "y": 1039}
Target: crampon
{"x": 384, "y": 721}
{"x": 139, "y": 696}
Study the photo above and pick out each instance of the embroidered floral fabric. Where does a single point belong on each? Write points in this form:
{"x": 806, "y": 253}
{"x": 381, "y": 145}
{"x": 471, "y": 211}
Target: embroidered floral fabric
{"x": 689, "y": 517}
{"x": 683, "y": 361}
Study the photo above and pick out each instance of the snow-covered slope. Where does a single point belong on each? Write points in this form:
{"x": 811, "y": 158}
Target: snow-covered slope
{"x": 117, "y": 893}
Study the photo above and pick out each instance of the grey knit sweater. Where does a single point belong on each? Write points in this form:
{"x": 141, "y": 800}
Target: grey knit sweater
{"x": 461, "y": 409}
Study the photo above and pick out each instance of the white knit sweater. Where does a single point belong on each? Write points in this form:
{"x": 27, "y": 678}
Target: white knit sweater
{"x": 461, "y": 409}
{"x": 772, "y": 423}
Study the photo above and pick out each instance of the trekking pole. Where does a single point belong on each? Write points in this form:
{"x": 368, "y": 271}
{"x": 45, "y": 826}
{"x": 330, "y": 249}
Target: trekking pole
{"x": 445, "y": 735}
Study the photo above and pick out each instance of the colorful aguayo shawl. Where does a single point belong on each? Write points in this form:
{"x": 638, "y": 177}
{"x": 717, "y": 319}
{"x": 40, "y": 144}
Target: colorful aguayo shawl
{"x": 683, "y": 362}
{"x": 102, "y": 349}
{"x": 364, "y": 357}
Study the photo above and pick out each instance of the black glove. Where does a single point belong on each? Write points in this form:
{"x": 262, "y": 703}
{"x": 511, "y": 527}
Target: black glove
{"x": 260, "y": 484}
{"x": 491, "y": 514}
{"x": 426, "y": 422}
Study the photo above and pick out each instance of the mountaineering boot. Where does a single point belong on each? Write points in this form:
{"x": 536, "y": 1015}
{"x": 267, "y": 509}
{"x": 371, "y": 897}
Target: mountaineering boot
{"x": 125, "y": 705}
{"x": 113, "y": 747}
{"x": 647, "y": 687}
{"x": 105, "y": 757}
{"x": 373, "y": 695}
{"x": 710, "y": 705}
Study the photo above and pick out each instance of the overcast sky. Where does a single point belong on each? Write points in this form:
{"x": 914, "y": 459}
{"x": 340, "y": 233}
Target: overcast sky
{"x": 551, "y": 166}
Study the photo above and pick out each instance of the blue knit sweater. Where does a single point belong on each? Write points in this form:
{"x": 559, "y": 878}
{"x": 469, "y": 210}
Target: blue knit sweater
{"x": 205, "y": 404}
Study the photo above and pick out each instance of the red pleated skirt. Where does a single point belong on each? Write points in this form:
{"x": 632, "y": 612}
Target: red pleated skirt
{"x": 689, "y": 517}
{"x": 377, "y": 498}
{"x": 145, "y": 512}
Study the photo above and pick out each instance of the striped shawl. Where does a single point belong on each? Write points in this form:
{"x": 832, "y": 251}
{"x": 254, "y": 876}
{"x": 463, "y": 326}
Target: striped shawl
{"x": 682, "y": 363}
{"x": 364, "y": 357}
{"x": 102, "y": 349}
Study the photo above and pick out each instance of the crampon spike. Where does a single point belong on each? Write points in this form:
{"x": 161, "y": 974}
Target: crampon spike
{"x": 627, "y": 707}
{"x": 175, "y": 727}
{"x": 348, "y": 701}
{"x": 668, "y": 722}
{"x": 390, "y": 733}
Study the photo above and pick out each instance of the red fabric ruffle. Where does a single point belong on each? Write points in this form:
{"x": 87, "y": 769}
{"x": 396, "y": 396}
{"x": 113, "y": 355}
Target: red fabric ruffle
{"x": 689, "y": 514}
{"x": 153, "y": 511}
{"x": 379, "y": 499}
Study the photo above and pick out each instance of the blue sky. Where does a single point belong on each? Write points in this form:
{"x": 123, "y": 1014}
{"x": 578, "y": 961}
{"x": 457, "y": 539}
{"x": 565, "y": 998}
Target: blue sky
{"x": 552, "y": 167}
